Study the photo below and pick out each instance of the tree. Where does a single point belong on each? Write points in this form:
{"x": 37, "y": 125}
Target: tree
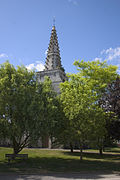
{"x": 17, "y": 89}
{"x": 63, "y": 131}
{"x": 80, "y": 99}
{"x": 22, "y": 105}
{"x": 110, "y": 102}
{"x": 45, "y": 107}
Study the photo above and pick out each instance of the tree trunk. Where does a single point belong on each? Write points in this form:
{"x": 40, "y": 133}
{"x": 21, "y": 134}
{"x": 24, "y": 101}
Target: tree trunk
{"x": 15, "y": 147}
{"x": 81, "y": 153}
{"x": 100, "y": 151}
{"x": 71, "y": 147}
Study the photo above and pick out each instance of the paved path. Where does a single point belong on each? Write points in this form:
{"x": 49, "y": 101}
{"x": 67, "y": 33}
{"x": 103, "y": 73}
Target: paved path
{"x": 61, "y": 177}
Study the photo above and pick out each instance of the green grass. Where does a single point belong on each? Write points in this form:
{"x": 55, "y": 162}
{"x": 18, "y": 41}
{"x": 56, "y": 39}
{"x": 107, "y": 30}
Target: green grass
{"x": 61, "y": 161}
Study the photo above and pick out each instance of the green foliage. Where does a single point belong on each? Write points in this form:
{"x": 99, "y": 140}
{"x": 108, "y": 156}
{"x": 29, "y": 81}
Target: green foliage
{"x": 63, "y": 136}
{"x": 80, "y": 98}
{"x": 100, "y": 74}
{"x": 44, "y": 106}
{"x": 26, "y": 107}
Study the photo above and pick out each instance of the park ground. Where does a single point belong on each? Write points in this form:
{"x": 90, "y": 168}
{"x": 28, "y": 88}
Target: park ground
{"x": 61, "y": 176}
{"x": 61, "y": 164}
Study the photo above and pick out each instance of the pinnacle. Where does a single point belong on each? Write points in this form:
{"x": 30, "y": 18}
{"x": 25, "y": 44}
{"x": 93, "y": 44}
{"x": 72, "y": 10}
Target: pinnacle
{"x": 53, "y": 28}
{"x": 53, "y": 60}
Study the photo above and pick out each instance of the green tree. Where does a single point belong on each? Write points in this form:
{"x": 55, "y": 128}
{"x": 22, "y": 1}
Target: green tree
{"x": 110, "y": 102}
{"x": 45, "y": 107}
{"x": 80, "y": 98}
{"x": 23, "y": 104}
{"x": 63, "y": 136}
{"x": 17, "y": 89}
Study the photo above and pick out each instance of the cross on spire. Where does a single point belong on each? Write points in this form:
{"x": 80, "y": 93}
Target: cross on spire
{"x": 53, "y": 21}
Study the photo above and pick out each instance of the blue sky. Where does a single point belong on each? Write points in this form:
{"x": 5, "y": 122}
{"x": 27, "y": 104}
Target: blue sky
{"x": 86, "y": 29}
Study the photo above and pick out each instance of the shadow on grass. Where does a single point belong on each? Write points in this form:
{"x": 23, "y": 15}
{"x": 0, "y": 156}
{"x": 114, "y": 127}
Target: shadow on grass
{"x": 92, "y": 162}
{"x": 112, "y": 151}
{"x": 94, "y": 155}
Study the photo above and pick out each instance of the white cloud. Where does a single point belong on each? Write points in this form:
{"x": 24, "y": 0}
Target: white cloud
{"x": 37, "y": 66}
{"x": 3, "y": 55}
{"x": 97, "y": 58}
{"x": 111, "y": 53}
{"x": 40, "y": 67}
{"x": 30, "y": 66}
{"x": 73, "y": 2}
{"x": 46, "y": 52}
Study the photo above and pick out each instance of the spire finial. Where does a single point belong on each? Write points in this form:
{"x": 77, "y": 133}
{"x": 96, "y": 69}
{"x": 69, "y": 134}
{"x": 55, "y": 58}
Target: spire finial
{"x": 54, "y": 21}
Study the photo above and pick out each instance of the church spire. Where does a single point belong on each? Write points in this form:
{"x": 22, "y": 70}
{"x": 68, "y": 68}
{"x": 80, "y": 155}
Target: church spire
{"x": 53, "y": 60}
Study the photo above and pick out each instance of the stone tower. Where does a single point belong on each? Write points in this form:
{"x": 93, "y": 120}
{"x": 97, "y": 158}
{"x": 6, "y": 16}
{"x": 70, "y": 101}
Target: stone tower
{"x": 53, "y": 67}
{"x": 53, "y": 60}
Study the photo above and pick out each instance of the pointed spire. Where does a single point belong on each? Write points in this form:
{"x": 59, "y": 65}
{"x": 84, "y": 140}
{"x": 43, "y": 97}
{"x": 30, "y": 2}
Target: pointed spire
{"x": 53, "y": 60}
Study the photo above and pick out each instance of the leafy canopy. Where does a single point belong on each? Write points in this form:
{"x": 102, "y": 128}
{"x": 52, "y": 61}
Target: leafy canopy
{"x": 26, "y": 106}
{"x": 80, "y": 98}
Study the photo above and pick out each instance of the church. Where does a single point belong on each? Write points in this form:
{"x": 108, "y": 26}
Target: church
{"x": 54, "y": 70}
{"x": 53, "y": 66}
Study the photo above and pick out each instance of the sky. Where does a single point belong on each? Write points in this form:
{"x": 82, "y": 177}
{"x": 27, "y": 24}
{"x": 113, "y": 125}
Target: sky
{"x": 86, "y": 29}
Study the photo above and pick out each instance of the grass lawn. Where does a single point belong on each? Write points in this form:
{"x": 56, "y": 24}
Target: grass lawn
{"x": 61, "y": 161}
